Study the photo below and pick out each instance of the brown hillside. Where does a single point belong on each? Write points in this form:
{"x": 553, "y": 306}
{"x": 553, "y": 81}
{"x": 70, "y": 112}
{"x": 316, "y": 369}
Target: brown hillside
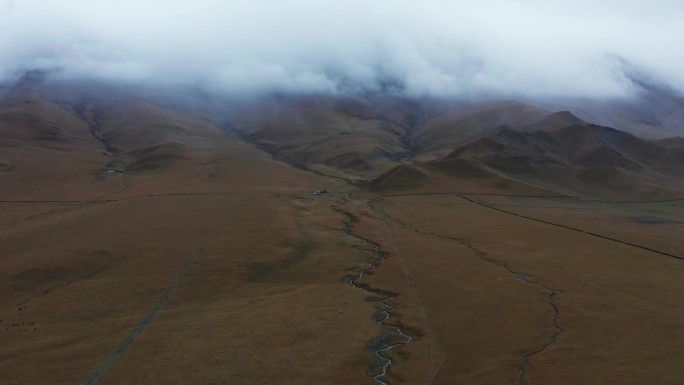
{"x": 454, "y": 128}
{"x": 402, "y": 177}
{"x": 579, "y": 158}
{"x": 317, "y": 131}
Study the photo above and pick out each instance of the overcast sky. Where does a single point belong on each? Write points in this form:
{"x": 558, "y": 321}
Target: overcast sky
{"x": 421, "y": 47}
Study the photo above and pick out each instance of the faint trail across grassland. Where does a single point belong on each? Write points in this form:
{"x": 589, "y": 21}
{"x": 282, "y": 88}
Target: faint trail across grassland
{"x": 468, "y": 197}
{"x": 579, "y": 230}
{"x": 101, "y": 369}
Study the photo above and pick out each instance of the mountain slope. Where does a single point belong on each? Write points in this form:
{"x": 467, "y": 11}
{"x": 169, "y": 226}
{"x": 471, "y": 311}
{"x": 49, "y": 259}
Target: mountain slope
{"x": 584, "y": 159}
{"x": 455, "y": 127}
{"x": 64, "y": 141}
{"x": 579, "y": 159}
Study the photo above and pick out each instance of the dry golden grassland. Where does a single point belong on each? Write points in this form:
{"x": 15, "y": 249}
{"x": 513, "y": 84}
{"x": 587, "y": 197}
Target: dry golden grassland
{"x": 498, "y": 287}
{"x": 222, "y": 271}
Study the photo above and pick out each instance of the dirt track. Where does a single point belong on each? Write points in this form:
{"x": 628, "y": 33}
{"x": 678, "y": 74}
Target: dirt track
{"x": 161, "y": 303}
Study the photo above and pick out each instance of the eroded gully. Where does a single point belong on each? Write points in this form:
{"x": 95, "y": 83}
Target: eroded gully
{"x": 551, "y": 299}
{"x": 393, "y": 335}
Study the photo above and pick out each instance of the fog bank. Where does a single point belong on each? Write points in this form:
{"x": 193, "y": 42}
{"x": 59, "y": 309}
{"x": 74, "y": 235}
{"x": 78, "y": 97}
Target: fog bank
{"x": 432, "y": 48}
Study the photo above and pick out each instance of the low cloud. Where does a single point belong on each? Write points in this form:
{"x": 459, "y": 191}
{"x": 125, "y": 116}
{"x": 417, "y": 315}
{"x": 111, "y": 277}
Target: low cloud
{"x": 533, "y": 48}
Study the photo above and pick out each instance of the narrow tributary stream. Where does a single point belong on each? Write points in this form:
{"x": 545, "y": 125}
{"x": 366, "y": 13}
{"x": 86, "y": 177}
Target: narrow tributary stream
{"x": 551, "y": 298}
{"x": 393, "y": 335}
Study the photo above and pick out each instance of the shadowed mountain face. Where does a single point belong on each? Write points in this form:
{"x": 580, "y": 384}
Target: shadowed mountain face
{"x": 582, "y": 150}
{"x": 579, "y": 159}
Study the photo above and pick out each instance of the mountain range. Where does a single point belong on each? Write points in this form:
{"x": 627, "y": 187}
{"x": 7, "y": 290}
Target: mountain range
{"x": 357, "y": 138}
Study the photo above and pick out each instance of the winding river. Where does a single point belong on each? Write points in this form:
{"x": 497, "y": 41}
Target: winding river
{"x": 393, "y": 335}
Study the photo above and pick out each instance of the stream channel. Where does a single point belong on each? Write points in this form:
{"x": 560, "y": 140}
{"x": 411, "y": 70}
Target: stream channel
{"x": 393, "y": 335}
